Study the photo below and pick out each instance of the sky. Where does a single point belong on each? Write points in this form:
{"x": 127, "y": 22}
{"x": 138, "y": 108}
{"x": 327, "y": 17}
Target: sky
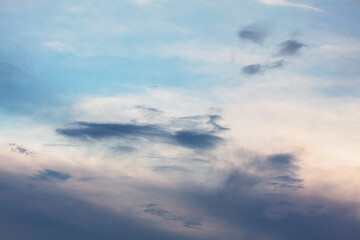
{"x": 164, "y": 119}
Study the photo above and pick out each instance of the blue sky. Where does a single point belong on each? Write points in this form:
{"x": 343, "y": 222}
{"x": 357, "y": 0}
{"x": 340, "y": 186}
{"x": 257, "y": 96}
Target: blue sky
{"x": 163, "y": 119}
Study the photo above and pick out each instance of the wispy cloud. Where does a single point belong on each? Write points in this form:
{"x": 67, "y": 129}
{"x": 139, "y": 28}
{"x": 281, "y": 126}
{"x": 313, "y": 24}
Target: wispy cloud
{"x": 48, "y": 175}
{"x": 156, "y": 210}
{"x": 286, "y": 3}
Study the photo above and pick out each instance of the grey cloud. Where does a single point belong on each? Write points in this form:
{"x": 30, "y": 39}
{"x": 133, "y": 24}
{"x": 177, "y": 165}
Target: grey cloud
{"x": 53, "y": 214}
{"x": 98, "y": 131}
{"x": 150, "y": 109}
{"x": 196, "y": 140}
{"x": 282, "y": 161}
{"x": 86, "y": 179}
{"x": 255, "y": 33}
{"x": 278, "y": 171}
{"x": 239, "y": 179}
{"x": 277, "y": 64}
{"x": 211, "y": 120}
{"x": 247, "y": 200}
{"x": 285, "y": 203}
{"x": 290, "y": 179}
{"x": 188, "y": 222}
{"x": 290, "y": 48}
{"x": 18, "y": 149}
{"x": 124, "y": 149}
{"x": 48, "y": 175}
{"x": 252, "y": 69}
{"x": 170, "y": 169}
{"x": 87, "y": 130}
{"x": 258, "y": 68}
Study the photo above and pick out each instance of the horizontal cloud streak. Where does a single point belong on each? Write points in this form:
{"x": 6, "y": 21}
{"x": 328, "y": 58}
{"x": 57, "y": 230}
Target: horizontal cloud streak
{"x": 97, "y": 131}
{"x": 258, "y": 68}
{"x": 286, "y": 3}
{"x": 48, "y": 175}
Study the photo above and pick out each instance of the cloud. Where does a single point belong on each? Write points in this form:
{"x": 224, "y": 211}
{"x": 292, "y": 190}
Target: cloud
{"x": 188, "y": 222}
{"x": 20, "y": 91}
{"x": 150, "y": 109}
{"x": 213, "y": 121}
{"x": 260, "y": 216}
{"x": 53, "y": 214}
{"x": 252, "y": 69}
{"x": 286, "y": 3}
{"x": 258, "y": 68}
{"x": 87, "y": 130}
{"x": 290, "y": 48}
{"x": 19, "y": 149}
{"x": 194, "y": 139}
{"x": 254, "y": 33}
{"x": 60, "y": 47}
{"x": 282, "y": 161}
{"x": 249, "y": 200}
{"x": 48, "y": 175}
{"x": 170, "y": 169}
{"x": 142, "y": 2}
{"x": 276, "y": 64}
{"x": 123, "y": 149}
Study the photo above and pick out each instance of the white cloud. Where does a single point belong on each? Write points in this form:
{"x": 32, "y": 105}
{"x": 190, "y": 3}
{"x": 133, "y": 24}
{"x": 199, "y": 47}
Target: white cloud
{"x": 142, "y": 2}
{"x": 60, "y": 47}
{"x": 286, "y": 3}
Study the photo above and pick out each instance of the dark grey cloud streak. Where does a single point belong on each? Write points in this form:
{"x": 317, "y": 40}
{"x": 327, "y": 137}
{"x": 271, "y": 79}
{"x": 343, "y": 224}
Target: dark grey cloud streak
{"x": 258, "y": 68}
{"x": 194, "y": 139}
{"x": 48, "y": 175}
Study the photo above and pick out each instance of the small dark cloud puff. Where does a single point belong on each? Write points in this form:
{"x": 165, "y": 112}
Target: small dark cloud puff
{"x": 255, "y": 33}
{"x": 48, "y": 175}
{"x": 18, "y": 149}
{"x": 252, "y": 69}
{"x": 290, "y": 48}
